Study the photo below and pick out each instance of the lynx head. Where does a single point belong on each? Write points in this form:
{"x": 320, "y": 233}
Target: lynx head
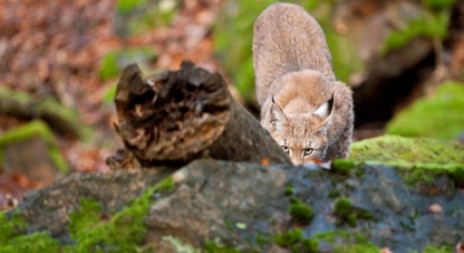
{"x": 302, "y": 136}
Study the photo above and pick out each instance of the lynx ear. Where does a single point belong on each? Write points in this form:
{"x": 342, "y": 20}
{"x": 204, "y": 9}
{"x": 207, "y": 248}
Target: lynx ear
{"x": 325, "y": 110}
{"x": 278, "y": 119}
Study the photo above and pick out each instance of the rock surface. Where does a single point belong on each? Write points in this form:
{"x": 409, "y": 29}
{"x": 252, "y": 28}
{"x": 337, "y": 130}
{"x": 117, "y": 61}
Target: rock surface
{"x": 248, "y": 207}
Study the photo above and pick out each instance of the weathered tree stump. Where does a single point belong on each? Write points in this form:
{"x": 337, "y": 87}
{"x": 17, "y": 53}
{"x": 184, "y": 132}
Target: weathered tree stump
{"x": 178, "y": 116}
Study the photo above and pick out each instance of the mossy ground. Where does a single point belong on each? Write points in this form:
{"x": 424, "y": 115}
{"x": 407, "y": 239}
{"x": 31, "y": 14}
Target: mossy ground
{"x": 441, "y": 116}
{"x": 47, "y": 108}
{"x": 91, "y": 229}
{"x": 409, "y": 152}
{"x": 32, "y": 129}
{"x": 13, "y": 238}
{"x": 420, "y": 158}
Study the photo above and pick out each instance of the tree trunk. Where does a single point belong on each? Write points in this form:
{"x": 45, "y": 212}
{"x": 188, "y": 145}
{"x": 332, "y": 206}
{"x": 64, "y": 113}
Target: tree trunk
{"x": 178, "y": 116}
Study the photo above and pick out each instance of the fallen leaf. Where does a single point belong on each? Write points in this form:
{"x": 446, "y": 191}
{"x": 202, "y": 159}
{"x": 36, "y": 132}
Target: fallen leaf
{"x": 265, "y": 162}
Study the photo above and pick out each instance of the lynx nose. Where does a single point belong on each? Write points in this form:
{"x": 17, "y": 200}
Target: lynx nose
{"x": 297, "y": 161}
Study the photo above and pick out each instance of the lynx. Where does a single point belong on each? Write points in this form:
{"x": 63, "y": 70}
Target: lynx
{"x": 305, "y": 109}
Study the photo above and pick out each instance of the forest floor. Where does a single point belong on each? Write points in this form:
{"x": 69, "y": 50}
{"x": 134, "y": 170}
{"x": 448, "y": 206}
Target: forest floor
{"x": 56, "y": 49}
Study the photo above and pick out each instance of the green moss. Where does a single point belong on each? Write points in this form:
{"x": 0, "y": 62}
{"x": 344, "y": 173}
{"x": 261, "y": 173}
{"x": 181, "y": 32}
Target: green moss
{"x": 123, "y": 231}
{"x": 301, "y": 212}
{"x": 33, "y": 129}
{"x": 128, "y": 5}
{"x": 427, "y": 25}
{"x": 262, "y": 239}
{"x": 441, "y": 116}
{"x": 47, "y": 108}
{"x": 109, "y": 66}
{"x": 344, "y": 211}
{"x": 343, "y": 166}
{"x": 355, "y": 248}
{"x": 91, "y": 228}
{"x": 310, "y": 245}
{"x": 343, "y": 206}
{"x": 13, "y": 237}
{"x": 216, "y": 246}
{"x": 432, "y": 23}
{"x": 88, "y": 216}
{"x": 113, "y": 62}
{"x": 10, "y": 227}
{"x": 67, "y": 115}
{"x": 347, "y": 242}
{"x": 167, "y": 184}
{"x": 293, "y": 239}
{"x": 334, "y": 193}
{"x": 22, "y": 98}
{"x": 289, "y": 238}
{"x": 348, "y": 214}
{"x": 289, "y": 191}
{"x": 438, "y": 249}
{"x": 94, "y": 230}
{"x": 418, "y": 158}
{"x": 423, "y": 152}
{"x": 439, "y": 4}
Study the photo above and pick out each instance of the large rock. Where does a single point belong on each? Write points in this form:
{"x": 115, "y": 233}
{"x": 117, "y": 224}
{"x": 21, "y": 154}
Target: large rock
{"x": 218, "y": 206}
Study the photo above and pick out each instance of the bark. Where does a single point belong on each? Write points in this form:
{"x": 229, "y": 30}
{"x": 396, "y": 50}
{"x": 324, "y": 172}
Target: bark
{"x": 178, "y": 116}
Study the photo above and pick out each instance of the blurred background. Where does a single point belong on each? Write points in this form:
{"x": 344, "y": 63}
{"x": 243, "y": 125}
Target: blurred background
{"x": 60, "y": 61}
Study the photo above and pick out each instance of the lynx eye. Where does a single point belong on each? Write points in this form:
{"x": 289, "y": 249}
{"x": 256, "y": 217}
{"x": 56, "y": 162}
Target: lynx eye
{"x": 285, "y": 148}
{"x": 307, "y": 151}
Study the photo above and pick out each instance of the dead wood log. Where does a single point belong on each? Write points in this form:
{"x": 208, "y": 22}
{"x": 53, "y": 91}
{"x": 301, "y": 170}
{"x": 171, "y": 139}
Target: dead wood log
{"x": 178, "y": 116}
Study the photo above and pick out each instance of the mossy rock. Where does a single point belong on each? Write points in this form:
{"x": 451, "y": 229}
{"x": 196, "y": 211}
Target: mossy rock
{"x": 441, "y": 116}
{"x": 59, "y": 117}
{"x": 390, "y": 149}
{"x": 36, "y": 128}
{"x": 91, "y": 228}
{"x": 419, "y": 157}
